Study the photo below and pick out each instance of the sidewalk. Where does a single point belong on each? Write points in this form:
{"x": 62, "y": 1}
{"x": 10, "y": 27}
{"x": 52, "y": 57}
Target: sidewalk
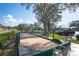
{"x": 74, "y": 50}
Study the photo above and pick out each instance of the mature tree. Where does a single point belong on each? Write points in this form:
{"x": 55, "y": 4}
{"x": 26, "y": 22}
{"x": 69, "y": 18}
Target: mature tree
{"x": 2, "y": 26}
{"x": 22, "y": 27}
{"x": 30, "y": 27}
{"x": 75, "y": 24}
{"x": 48, "y": 13}
{"x": 37, "y": 26}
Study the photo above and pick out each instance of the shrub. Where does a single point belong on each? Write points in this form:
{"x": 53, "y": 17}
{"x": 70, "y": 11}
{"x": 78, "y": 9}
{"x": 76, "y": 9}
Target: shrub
{"x": 5, "y": 37}
{"x": 77, "y": 36}
{"x": 1, "y": 45}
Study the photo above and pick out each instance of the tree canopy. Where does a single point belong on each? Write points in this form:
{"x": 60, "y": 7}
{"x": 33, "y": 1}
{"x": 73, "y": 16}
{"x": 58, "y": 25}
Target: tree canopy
{"x": 50, "y": 13}
{"x": 75, "y": 24}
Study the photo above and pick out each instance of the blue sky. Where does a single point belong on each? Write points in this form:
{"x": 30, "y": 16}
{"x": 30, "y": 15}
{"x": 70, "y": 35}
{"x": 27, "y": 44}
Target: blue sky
{"x": 68, "y": 16}
{"x": 14, "y": 14}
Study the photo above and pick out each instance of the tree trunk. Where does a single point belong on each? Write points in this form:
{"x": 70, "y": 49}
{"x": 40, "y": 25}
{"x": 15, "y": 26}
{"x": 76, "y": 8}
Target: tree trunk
{"x": 45, "y": 29}
{"x": 49, "y": 27}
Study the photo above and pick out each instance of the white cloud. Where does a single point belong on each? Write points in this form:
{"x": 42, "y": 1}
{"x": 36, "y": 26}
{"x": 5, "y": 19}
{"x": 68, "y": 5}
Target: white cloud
{"x": 29, "y": 22}
{"x": 9, "y": 20}
{"x": 9, "y": 16}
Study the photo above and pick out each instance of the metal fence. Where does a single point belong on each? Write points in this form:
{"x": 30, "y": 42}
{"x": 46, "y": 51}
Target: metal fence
{"x": 61, "y": 49}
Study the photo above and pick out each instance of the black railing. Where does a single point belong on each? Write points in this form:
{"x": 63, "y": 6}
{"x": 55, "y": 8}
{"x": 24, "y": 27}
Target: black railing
{"x": 50, "y": 52}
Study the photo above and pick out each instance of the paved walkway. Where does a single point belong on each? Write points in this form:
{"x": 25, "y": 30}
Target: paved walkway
{"x": 74, "y": 50}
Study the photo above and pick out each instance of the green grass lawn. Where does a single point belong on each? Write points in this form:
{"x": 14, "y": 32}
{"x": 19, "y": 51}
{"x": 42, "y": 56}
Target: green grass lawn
{"x": 63, "y": 38}
{"x": 75, "y": 41}
{"x": 57, "y": 36}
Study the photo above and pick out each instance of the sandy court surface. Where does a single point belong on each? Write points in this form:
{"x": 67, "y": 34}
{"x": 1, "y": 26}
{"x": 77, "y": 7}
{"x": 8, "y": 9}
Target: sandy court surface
{"x": 37, "y": 43}
{"x": 31, "y": 44}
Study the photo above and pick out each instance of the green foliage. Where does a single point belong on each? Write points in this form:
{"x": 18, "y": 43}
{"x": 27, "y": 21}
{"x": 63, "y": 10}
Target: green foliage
{"x": 6, "y": 36}
{"x": 75, "y": 24}
{"x": 1, "y": 45}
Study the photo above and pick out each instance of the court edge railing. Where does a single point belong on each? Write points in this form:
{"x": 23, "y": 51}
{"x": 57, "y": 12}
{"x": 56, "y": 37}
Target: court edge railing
{"x": 50, "y": 52}
{"x": 59, "y": 49}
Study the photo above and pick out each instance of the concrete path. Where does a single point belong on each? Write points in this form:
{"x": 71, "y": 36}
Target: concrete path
{"x": 74, "y": 47}
{"x": 74, "y": 50}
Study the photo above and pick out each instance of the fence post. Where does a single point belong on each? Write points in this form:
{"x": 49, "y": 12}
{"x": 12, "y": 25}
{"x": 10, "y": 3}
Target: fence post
{"x": 53, "y": 53}
{"x": 17, "y": 44}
